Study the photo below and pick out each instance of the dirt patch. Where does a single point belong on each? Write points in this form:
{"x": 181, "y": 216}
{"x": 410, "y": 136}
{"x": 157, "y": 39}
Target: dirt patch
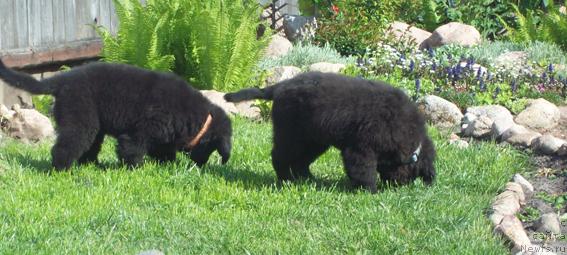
{"x": 549, "y": 178}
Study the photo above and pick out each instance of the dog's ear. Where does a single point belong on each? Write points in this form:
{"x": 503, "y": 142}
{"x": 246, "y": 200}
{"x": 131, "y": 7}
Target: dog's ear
{"x": 426, "y": 165}
{"x": 224, "y": 148}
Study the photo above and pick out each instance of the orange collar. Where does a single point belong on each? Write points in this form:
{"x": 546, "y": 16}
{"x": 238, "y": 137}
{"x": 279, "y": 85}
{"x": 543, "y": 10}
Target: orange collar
{"x": 201, "y": 133}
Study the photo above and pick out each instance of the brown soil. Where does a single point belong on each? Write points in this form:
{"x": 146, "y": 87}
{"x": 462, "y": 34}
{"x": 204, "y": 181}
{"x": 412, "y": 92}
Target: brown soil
{"x": 549, "y": 178}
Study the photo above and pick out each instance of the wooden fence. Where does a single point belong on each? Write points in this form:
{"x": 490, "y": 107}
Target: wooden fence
{"x": 32, "y": 27}
{"x": 36, "y": 32}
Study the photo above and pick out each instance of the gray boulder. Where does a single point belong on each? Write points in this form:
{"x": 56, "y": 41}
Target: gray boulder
{"x": 401, "y": 31}
{"x": 453, "y": 33}
{"x": 245, "y": 109}
{"x": 440, "y": 112}
{"x": 539, "y": 114}
{"x": 481, "y": 127}
{"x": 278, "y": 46}
{"x": 326, "y": 67}
{"x": 281, "y": 73}
{"x": 217, "y": 98}
{"x": 548, "y": 144}
{"x": 519, "y": 135}
{"x": 10, "y": 96}
{"x": 501, "y": 118}
{"x": 548, "y": 223}
{"x": 27, "y": 125}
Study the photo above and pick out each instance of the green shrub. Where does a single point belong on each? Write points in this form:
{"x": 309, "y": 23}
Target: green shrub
{"x": 304, "y": 55}
{"x": 480, "y": 14}
{"x": 210, "y": 43}
{"x": 351, "y": 26}
{"x": 43, "y": 103}
{"x": 537, "y": 25}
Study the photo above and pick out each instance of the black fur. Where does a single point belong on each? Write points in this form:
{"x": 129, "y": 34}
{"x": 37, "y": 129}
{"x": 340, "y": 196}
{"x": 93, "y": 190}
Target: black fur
{"x": 148, "y": 112}
{"x": 376, "y": 127}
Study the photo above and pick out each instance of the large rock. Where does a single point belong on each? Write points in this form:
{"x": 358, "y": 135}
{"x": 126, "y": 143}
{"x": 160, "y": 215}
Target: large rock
{"x": 279, "y": 46}
{"x": 519, "y": 135}
{"x": 248, "y": 110}
{"x": 281, "y": 73}
{"x": 440, "y": 112}
{"x": 548, "y": 144}
{"x": 299, "y": 28}
{"x": 453, "y": 33}
{"x": 548, "y": 223}
{"x": 539, "y": 114}
{"x": 401, "y": 31}
{"x": 481, "y": 127}
{"x": 10, "y": 96}
{"x": 27, "y": 125}
{"x": 245, "y": 109}
{"x": 526, "y": 185}
{"x": 501, "y": 118}
{"x": 326, "y": 67}
{"x": 217, "y": 98}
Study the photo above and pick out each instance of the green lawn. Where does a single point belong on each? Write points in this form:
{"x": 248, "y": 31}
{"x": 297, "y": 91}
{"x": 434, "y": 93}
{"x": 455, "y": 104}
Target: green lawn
{"x": 181, "y": 209}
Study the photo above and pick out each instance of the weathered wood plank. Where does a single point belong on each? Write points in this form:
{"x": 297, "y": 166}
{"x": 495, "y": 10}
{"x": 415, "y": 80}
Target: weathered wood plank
{"x": 46, "y": 21}
{"x": 34, "y": 23}
{"x": 6, "y": 24}
{"x": 20, "y": 24}
{"x": 104, "y": 13}
{"x": 86, "y": 12}
{"x": 70, "y": 17}
{"x": 58, "y": 21}
{"x": 113, "y": 18}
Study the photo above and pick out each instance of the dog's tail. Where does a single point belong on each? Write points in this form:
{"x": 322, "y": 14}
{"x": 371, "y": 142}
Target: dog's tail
{"x": 23, "y": 81}
{"x": 251, "y": 93}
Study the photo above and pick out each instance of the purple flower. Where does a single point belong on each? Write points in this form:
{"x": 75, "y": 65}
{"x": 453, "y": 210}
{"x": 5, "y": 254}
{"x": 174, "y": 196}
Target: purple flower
{"x": 478, "y": 73}
{"x": 550, "y": 68}
{"x": 417, "y": 86}
{"x": 433, "y": 66}
{"x": 514, "y": 86}
{"x": 482, "y": 86}
{"x": 431, "y": 52}
{"x": 496, "y": 92}
{"x": 411, "y": 65}
{"x": 470, "y": 63}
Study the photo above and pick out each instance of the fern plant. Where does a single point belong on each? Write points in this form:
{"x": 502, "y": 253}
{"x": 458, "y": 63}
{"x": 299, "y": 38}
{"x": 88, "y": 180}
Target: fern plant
{"x": 210, "y": 43}
{"x": 430, "y": 17}
{"x": 551, "y": 26}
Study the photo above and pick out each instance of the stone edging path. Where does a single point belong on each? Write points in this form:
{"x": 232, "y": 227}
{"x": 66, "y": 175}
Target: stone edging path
{"x": 503, "y": 216}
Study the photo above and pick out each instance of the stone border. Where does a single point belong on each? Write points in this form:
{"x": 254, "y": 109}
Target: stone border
{"x": 503, "y": 216}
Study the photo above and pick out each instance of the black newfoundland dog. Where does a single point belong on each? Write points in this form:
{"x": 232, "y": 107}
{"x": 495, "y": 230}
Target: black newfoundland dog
{"x": 148, "y": 112}
{"x": 375, "y": 126}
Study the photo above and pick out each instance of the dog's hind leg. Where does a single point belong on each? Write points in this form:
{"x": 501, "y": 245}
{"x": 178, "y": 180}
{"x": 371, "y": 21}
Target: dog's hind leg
{"x": 71, "y": 143}
{"x": 76, "y": 131}
{"x": 91, "y": 155}
{"x": 360, "y": 166}
{"x": 308, "y": 154}
{"x": 281, "y": 164}
{"x": 131, "y": 149}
